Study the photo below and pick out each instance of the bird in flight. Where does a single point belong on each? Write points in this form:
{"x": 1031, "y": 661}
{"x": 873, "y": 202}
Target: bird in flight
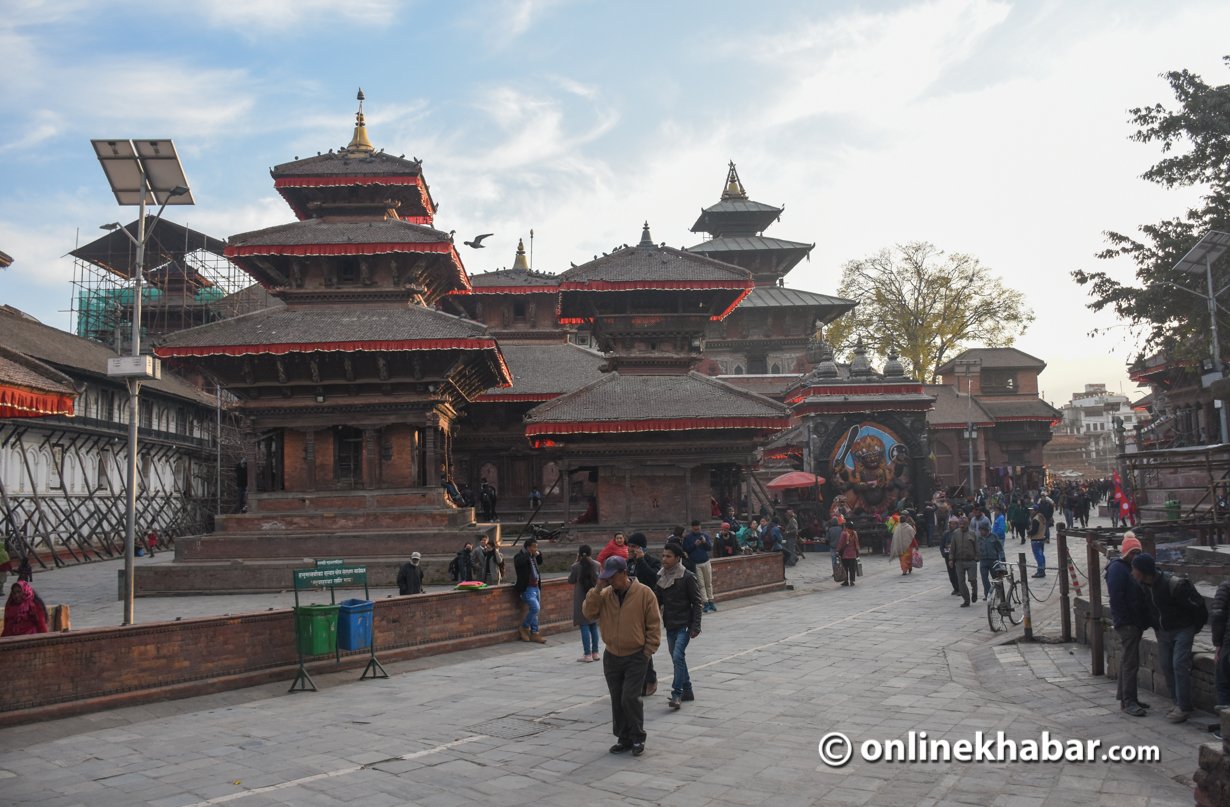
{"x": 477, "y": 243}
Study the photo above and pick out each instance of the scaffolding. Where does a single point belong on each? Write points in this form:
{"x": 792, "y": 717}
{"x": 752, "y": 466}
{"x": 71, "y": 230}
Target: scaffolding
{"x": 187, "y": 282}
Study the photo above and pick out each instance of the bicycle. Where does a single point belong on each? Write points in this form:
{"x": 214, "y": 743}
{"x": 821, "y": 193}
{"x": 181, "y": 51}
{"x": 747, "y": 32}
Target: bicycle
{"x": 1005, "y": 599}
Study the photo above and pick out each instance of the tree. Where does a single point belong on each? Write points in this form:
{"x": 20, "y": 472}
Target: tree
{"x": 1161, "y": 316}
{"x": 927, "y": 305}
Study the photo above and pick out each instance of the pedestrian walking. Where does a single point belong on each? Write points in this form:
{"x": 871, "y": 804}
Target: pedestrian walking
{"x": 696, "y": 545}
{"x": 528, "y": 586}
{"x": 790, "y": 539}
{"x": 1177, "y": 612}
{"x": 616, "y": 546}
{"x": 1129, "y": 614}
{"x": 946, "y": 554}
{"x": 964, "y": 553}
{"x": 990, "y": 552}
{"x": 24, "y": 612}
{"x": 631, "y": 627}
{"x": 584, "y": 576}
{"x": 904, "y": 543}
{"x": 679, "y": 599}
{"x": 410, "y": 576}
{"x": 832, "y": 537}
{"x": 1038, "y": 532}
{"x": 644, "y": 567}
{"x": 848, "y": 550}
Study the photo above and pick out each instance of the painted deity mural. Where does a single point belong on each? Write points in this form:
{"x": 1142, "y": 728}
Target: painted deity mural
{"x": 870, "y": 467}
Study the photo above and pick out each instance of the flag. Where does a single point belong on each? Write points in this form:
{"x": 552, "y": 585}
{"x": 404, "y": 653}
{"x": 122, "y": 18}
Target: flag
{"x": 1127, "y": 507}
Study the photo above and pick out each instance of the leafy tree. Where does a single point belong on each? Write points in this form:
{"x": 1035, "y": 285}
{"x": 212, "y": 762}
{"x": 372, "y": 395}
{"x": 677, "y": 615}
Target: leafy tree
{"x": 926, "y": 304}
{"x": 1195, "y": 138}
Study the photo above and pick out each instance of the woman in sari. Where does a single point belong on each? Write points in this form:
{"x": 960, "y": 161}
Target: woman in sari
{"x": 24, "y": 613}
{"x": 903, "y": 544}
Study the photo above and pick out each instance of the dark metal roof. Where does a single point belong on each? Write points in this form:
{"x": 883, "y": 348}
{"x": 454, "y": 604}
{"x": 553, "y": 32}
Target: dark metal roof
{"x": 513, "y": 277}
{"x": 168, "y": 241}
{"x": 780, "y": 297}
{"x": 317, "y": 325}
{"x": 619, "y": 397}
{"x": 549, "y": 369}
{"x": 339, "y": 164}
{"x": 1024, "y": 408}
{"x": 748, "y": 243}
{"x": 952, "y": 409}
{"x": 655, "y": 263}
{"x": 72, "y": 355}
{"x": 319, "y": 231}
{"x": 996, "y": 357}
{"x": 19, "y": 370}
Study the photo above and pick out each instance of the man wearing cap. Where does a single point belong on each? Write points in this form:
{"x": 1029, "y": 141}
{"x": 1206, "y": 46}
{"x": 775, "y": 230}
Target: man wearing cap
{"x": 1129, "y": 614}
{"x": 410, "y": 576}
{"x": 1177, "y": 611}
{"x": 1037, "y": 538}
{"x": 631, "y": 627}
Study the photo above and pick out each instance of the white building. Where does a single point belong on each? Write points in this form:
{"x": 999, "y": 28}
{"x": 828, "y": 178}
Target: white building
{"x": 1091, "y": 416}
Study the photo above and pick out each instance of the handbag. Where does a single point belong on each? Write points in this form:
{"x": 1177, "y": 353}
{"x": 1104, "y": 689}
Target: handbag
{"x": 916, "y": 560}
{"x": 839, "y": 573}
{"x": 860, "y": 567}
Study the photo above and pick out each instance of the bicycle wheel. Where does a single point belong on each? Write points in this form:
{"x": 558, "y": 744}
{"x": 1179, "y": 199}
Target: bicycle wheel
{"x": 995, "y": 615}
{"x": 1016, "y": 611}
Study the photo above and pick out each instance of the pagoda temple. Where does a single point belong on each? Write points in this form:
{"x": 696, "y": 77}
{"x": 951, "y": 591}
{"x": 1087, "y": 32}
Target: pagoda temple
{"x": 656, "y": 441}
{"x": 349, "y": 394}
{"x": 768, "y": 333}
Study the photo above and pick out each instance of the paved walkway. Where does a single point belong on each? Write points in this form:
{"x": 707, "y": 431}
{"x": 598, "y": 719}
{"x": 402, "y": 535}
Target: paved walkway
{"x": 521, "y": 724}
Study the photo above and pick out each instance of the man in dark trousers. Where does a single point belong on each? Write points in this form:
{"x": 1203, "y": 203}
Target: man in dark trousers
{"x": 628, "y": 618}
{"x": 679, "y": 598}
{"x": 410, "y": 576}
{"x": 1129, "y": 613}
{"x": 241, "y": 482}
{"x": 644, "y": 567}
{"x": 697, "y": 546}
{"x": 1178, "y": 613}
{"x": 526, "y": 563}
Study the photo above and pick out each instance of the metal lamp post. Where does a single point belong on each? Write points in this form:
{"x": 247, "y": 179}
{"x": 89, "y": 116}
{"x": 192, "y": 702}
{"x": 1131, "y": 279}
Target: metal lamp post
{"x": 139, "y": 172}
{"x": 970, "y": 431}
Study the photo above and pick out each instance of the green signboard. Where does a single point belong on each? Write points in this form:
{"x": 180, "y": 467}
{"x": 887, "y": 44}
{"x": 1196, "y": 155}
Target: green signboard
{"x": 329, "y": 577}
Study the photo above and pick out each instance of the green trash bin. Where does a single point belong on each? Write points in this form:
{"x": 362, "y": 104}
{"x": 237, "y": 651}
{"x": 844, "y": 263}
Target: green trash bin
{"x": 317, "y": 625}
{"x": 1173, "y": 509}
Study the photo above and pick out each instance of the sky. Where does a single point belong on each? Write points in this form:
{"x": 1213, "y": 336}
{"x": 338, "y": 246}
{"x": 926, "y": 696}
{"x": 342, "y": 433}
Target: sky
{"x": 995, "y": 129}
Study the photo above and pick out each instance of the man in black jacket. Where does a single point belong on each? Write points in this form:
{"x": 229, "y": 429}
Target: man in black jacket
{"x": 528, "y": 585}
{"x": 644, "y": 567}
{"x": 1178, "y": 613}
{"x": 410, "y": 576}
{"x": 1217, "y": 623}
{"x": 679, "y": 598}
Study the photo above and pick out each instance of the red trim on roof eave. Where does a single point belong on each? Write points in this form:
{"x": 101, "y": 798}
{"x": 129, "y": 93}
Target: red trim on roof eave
{"x": 513, "y": 289}
{"x": 305, "y": 250}
{"x": 282, "y": 349}
{"x": 16, "y": 402}
{"x": 656, "y": 425}
{"x": 343, "y": 181}
{"x": 861, "y": 406}
{"x": 732, "y": 307}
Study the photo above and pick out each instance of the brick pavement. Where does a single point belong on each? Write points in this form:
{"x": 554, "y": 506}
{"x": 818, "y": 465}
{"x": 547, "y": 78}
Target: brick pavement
{"x": 772, "y": 675}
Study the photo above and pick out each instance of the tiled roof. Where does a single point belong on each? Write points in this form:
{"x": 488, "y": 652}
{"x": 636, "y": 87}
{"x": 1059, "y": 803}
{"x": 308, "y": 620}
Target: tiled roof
{"x": 741, "y": 206}
{"x": 951, "y": 409}
{"x": 321, "y": 325}
{"x": 619, "y": 397}
{"x": 319, "y": 231}
{"x": 74, "y": 355}
{"x": 338, "y": 164}
{"x": 549, "y": 369}
{"x": 513, "y": 277}
{"x": 19, "y": 370}
{"x": 1024, "y": 408}
{"x": 747, "y": 243}
{"x": 779, "y": 297}
{"x": 651, "y": 264}
{"x": 996, "y": 357}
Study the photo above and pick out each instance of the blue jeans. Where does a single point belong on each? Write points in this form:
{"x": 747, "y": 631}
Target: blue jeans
{"x": 677, "y": 643}
{"x": 1039, "y": 548}
{"x": 930, "y": 533}
{"x": 1174, "y": 650}
{"x": 531, "y": 597}
{"x": 985, "y": 566}
{"x": 589, "y": 638}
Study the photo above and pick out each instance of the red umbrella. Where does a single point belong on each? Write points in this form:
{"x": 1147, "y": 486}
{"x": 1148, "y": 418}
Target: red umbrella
{"x": 795, "y": 479}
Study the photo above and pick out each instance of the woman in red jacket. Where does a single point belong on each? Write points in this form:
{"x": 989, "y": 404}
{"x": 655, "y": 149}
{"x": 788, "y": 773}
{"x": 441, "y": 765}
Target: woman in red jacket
{"x": 24, "y": 613}
{"x": 616, "y": 546}
{"x": 847, "y": 550}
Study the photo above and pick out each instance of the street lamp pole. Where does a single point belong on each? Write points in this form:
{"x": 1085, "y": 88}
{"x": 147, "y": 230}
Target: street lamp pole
{"x": 134, "y": 389}
{"x": 1221, "y": 410}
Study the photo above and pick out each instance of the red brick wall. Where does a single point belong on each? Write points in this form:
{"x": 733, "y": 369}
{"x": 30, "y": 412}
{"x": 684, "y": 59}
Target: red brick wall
{"x": 58, "y": 674}
{"x": 324, "y": 459}
{"x": 399, "y": 471}
{"x": 655, "y": 499}
{"x": 296, "y": 473}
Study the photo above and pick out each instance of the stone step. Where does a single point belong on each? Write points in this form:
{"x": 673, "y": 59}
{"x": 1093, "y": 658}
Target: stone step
{"x": 299, "y": 544}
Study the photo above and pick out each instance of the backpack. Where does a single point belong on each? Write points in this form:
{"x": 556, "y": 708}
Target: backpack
{"x": 1197, "y": 608}
{"x": 454, "y": 569}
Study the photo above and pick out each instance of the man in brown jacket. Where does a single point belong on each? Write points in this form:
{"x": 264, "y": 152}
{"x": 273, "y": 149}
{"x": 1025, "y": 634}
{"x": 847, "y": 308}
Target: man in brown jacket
{"x": 631, "y": 627}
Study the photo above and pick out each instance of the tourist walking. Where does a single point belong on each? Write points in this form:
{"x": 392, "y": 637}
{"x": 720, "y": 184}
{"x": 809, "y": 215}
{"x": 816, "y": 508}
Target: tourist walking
{"x": 644, "y": 567}
{"x": 584, "y": 576}
{"x": 526, "y": 564}
{"x": 964, "y": 553}
{"x": 616, "y": 546}
{"x": 631, "y": 626}
{"x": 410, "y": 576}
{"x": 903, "y": 544}
{"x": 847, "y": 550}
{"x": 24, "y": 612}
{"x": 679, "y": 599}
{"x": 1129, "y": 614}
{"x": 1038, "y": 532}
{"x": 696, "y": 545}
{"x": 1177, "y": 612}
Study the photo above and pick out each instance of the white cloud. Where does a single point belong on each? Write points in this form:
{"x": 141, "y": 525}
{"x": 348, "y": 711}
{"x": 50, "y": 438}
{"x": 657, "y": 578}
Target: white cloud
{"x": 288, "y": 15}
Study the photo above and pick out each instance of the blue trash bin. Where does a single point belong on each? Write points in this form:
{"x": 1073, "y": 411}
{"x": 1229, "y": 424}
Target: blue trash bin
{"x": 354, "y": 624}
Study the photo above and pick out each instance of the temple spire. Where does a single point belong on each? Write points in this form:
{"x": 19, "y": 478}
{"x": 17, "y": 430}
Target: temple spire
{"x": 734, "y": 188}
{"x": 646, "y": 238}
{"x": 520, "y": 263}
{"x": 359, "y": 143}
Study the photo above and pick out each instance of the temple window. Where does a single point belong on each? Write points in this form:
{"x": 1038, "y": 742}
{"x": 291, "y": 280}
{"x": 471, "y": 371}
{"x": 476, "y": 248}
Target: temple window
{"x": 519, "y": 312}
{"x": 349, "y": 271}
{"x": 776, "y": 369}
{"x": 999, "y": 381}
{"x": 738, "y": 369}
{"x": 348, "y": 457}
